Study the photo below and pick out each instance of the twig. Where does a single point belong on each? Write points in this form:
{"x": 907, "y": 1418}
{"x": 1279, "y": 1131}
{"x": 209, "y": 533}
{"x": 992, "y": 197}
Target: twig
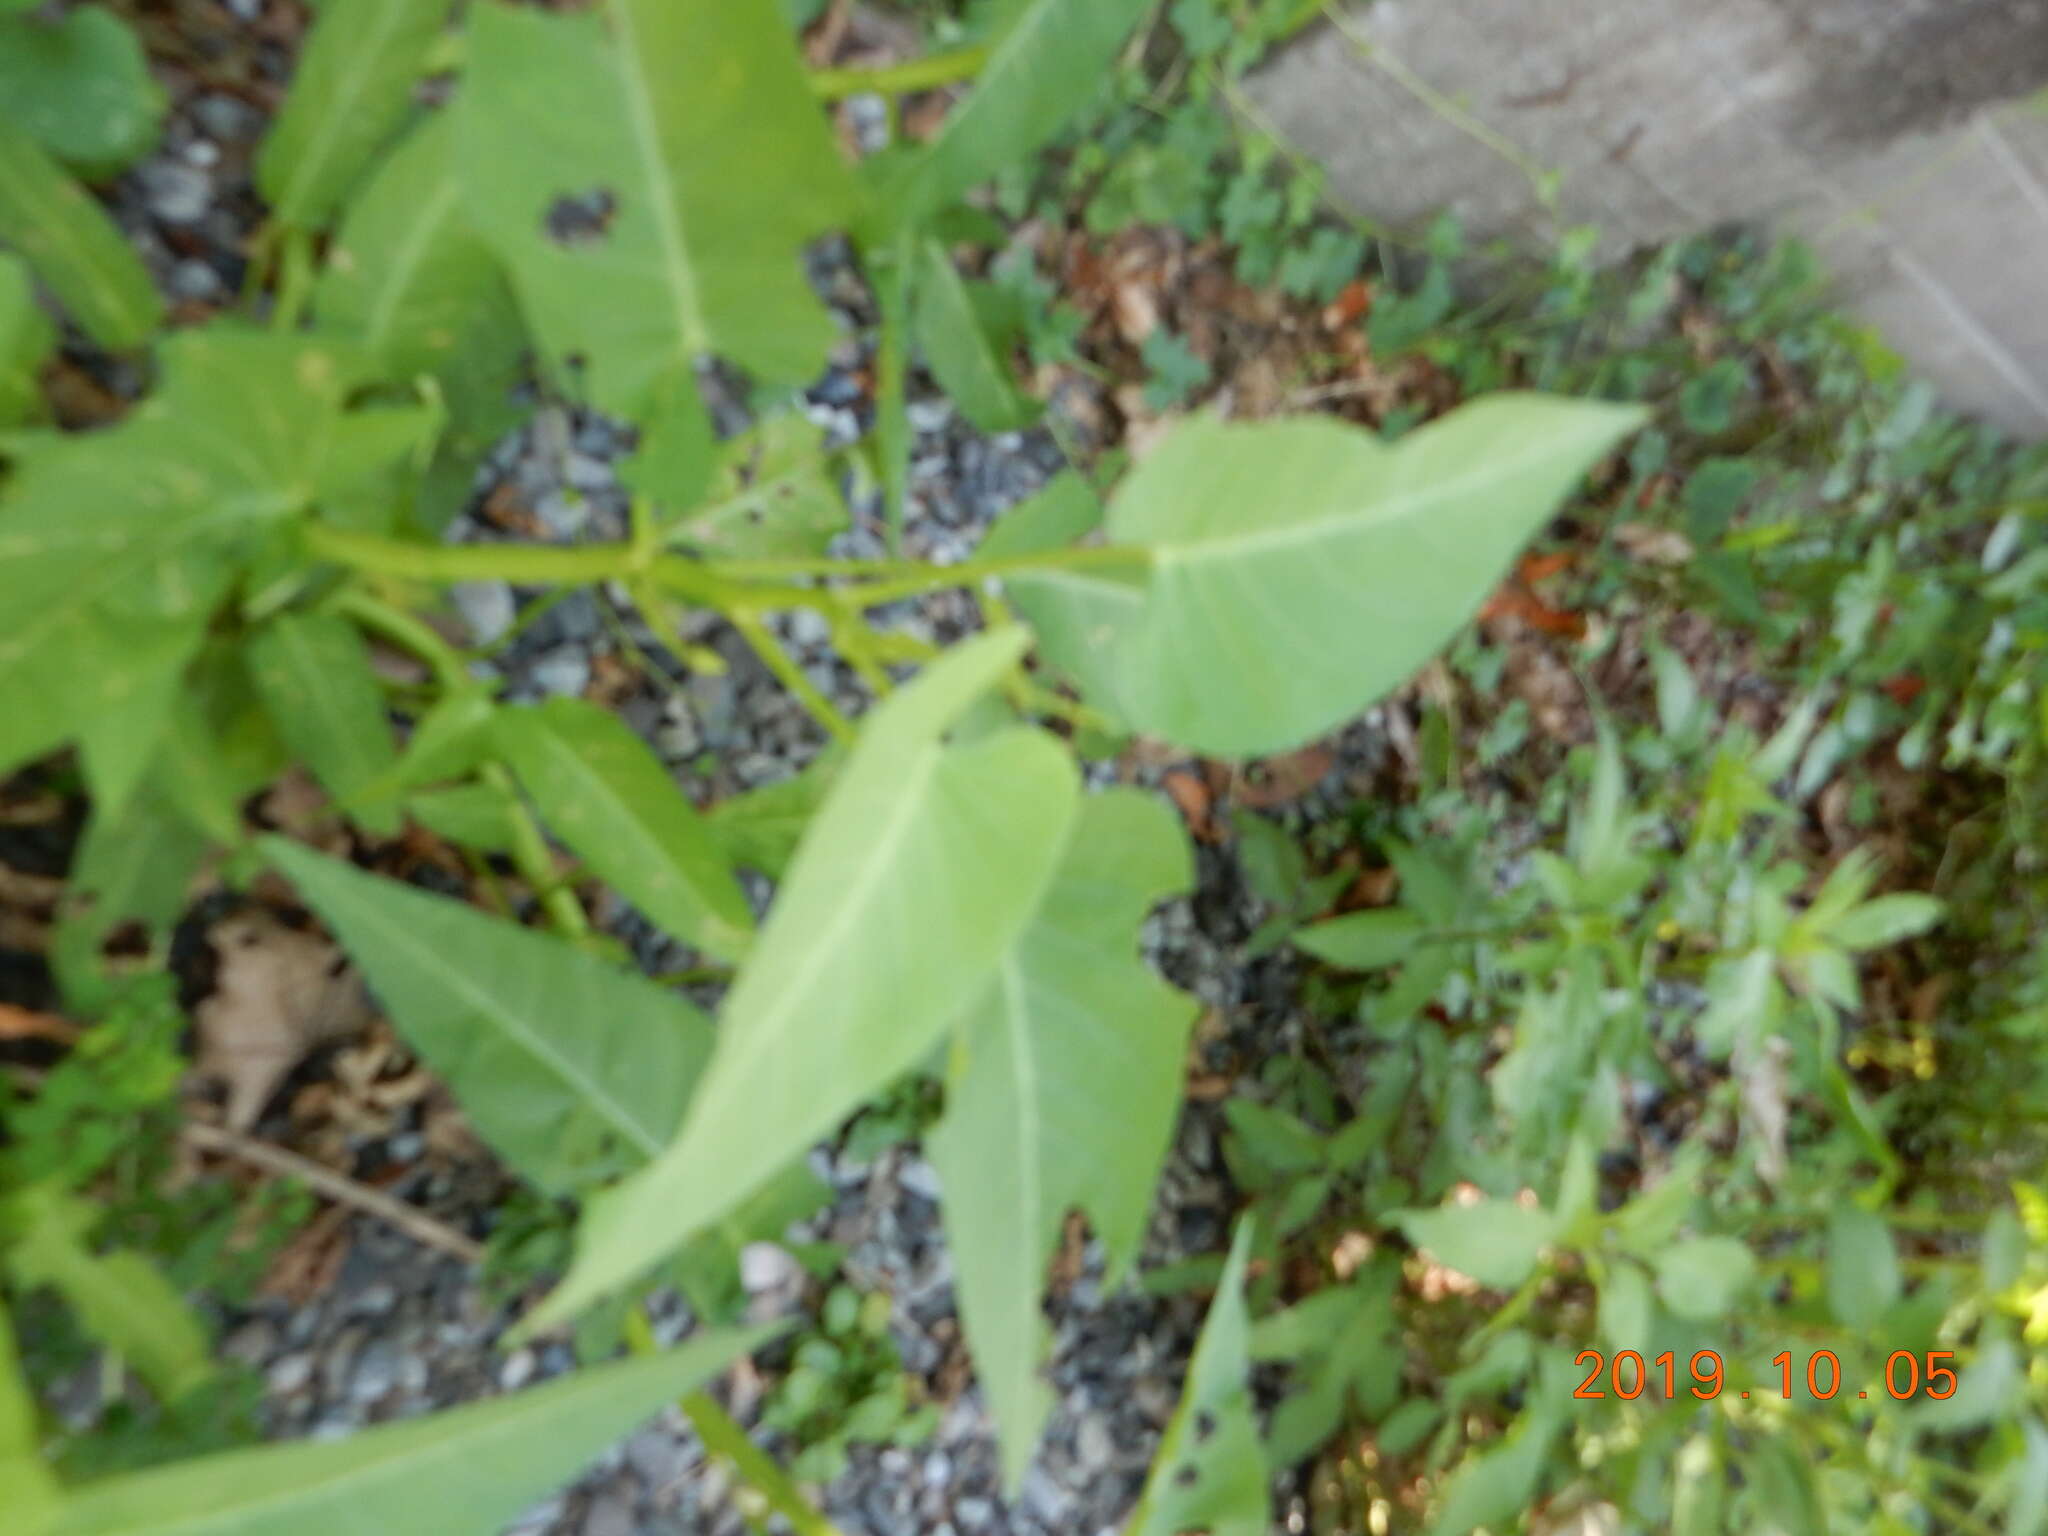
{"x": 409, "y": 1219}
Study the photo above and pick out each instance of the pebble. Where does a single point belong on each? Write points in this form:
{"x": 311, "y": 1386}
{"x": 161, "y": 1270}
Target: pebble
{"x": 610, "y": 1516}
{"x": 517, "y": 1369}
{"x": 289, "y": 1374}
{"x": 565, "y": 672}
{"x": 176, "y": 193}
{"x": 486, "y": 607}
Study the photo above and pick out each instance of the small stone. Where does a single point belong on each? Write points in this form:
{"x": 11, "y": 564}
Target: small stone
{"x": 766, "y": 1267}
{"x": 974, "y": 1514}
{"x": 658, "y": 1457}
{"x": 920, "y": 1178}
{"x": 486, "y": 607}
{"x": 564, "y": 673}
{"x": 194, "y": 279}
{"x": 586, "y": 472}
{"x": 176, "y": 193}
{"x": 1093, "y": 1446}
{"x": 517, "y": 1369}
{"x": 566, "y": 513}
{"x": 376, "y": 1373}
{"x": 251, "y": 1343}
{"x": 611, "y": 1515}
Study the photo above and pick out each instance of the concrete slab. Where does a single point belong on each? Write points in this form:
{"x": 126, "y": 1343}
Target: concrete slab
{"x": 1897, "y": 135}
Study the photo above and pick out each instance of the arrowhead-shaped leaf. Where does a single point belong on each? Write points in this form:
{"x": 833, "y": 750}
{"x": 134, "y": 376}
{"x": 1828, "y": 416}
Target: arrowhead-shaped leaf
{"x": 569, "y": 1067}
{"x": 115, "y": 545}
{"x": 410, "y": 280}
{"x": 604, "y": 793}
{"x": 73, "y": 245}
{"x": 1064, "y": 1087}
{"x": 1210, "y": 1473}
{"x": 651, "y": 205}
{"x": 1288, "y": 573}
{"x": 349, "y": 95}
{"x": 1046, "y": 59}
{"x": 920, "y": 871}
{"x": 468, "y": 1469}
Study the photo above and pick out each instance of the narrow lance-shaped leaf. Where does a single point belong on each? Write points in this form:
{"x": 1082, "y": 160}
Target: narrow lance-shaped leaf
{"x": 1286, "y": 574}
{"x": 569, "y": 1067}
{"x": 965, "y": 356}
{"x": 655, "y": 207}
{"x": 121, "y": 1298}
{"x": 350, "y": 94}
{"x": 313, "y": 673}
{"x": 26, "y": 337}
{"x": 919, "y": 873}
{"x": 1046, "y": 59}
{"x": 1064, "y": 1087}
{"x": 468, "y": 1469}
{"x": 1210, "y": 1473}
{"x": 73, "y": 245}
{"x": 604, "y": 793}
{"x": 31, "y": 1490}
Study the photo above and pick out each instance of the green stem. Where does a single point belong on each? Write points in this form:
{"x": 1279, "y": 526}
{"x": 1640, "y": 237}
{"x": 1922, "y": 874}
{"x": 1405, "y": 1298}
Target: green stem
{"x": 970, "y": 572}
{"x": 529, "y": 848}
{"x": 907, "y": 78}
{"x": 789, "y": 674}
{"x": 892, "y": 394}
{"x": 723, "y": 1435}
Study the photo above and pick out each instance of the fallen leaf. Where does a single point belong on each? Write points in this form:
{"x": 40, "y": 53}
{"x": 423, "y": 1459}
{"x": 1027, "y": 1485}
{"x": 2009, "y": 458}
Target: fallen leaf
{"x": 1352, "y": 304}
{"x": 279, "y": 994}
{"x": 1650, "y": 545}
{"x": 1191, "y": 796}
{"x": 26, "y": 1024}
{"x": 1280, "y": 780}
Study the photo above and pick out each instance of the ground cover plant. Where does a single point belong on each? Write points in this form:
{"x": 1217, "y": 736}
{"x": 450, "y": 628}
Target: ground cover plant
{"x": 1662, "y": 984}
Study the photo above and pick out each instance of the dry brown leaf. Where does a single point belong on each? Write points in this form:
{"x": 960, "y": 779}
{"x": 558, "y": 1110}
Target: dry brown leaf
{"x": 1650, "y": 545}
{"x": 1281, "y": 780}
{"x": 26, "y": 1024}
{"x": 1191, "y": 796}
{"x": 279, "y": 994}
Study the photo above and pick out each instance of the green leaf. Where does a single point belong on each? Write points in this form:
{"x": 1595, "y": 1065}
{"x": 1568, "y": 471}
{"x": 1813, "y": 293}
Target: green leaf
{"x": 220, "y": 747}
{"x": 1493, "y": 1488}
{"x": 121, "y": 1299}
{"x": 1062, "y": 1094}
{"x": 313, "y": 673}
{"x": 132, "y": 867}
{"x": 487, "y": 1461}
{"x": 1496, "y": 1242}
{"x": 26, "y": 337}
{"x": 602, "y": 791}
{"x": 348, "y": 97}
{"x": 1285, "y": 574}
{"x": 1627, "y": 1309}
{"x": 1363, "y": 941}
{"x": 115, "y": 545}
{"x": 638, "y": 239}
{"x": 1702, "y": 1277}
{"x": 970, "y": 361}
{"x": 1047, "y": 58}
{"x": 1209, "y": 1473}
{"x": 31, "y": 1490}
{"x": 1887, "y": 920}
{"x": 74, "y": 246}
{"x": 1062, "y": 513}
{"x": 566, "y": 1065}
{"x": 479, "y": 816}
{"x": 80, "y": 87}
{"x": 916, "y": 878}
{"x": 771, "y": 496}
{"x": 1863, "y": 1275}
{"x": 762, "y": 828}
{"x": 409, "y": 279}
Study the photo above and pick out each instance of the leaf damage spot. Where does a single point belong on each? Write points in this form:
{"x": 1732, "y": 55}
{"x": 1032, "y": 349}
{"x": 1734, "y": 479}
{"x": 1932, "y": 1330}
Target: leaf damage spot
{"x": 579, "y": 219}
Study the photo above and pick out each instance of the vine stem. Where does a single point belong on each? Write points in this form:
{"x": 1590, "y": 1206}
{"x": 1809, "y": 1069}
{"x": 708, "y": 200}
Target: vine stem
{"x": 529, "y": 848}
{"x": 789, "y": 674}
{"x": 913, "y": 75}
